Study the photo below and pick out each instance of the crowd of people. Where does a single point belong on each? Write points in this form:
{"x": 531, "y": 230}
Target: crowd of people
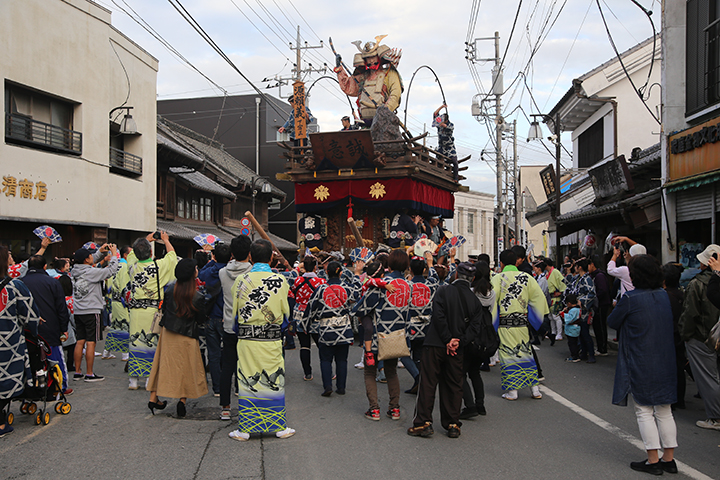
{"x": 234, "y": 309}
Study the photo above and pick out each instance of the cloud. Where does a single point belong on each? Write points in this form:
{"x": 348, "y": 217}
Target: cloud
{"x": 429, "y": 34}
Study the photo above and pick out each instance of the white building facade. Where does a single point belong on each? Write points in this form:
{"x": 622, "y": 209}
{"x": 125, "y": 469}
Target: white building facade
{"x": 474, "y": 220}
{"x": 70, "y": 158}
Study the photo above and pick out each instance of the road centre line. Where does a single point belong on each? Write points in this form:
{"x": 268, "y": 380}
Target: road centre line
{"x": 682, "y": 467}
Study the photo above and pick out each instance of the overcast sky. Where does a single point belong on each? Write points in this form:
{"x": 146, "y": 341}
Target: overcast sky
{"x": 255, "y": 35}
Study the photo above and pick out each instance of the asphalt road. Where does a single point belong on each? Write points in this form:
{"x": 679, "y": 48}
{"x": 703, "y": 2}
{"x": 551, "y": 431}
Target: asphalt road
{"x": 573, "y": 432}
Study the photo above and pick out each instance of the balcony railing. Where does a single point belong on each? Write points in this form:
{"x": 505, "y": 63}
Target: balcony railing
{"x": 24, "y": 130}
{"x": 125, "y": 162}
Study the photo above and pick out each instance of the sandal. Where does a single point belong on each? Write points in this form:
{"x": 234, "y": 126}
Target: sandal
{"x": 240, "y": 436}
{"x": 288, "y": 432}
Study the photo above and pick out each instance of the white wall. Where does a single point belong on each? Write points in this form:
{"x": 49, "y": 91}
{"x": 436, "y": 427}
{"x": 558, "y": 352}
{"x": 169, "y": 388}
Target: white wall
{"x": 63, "y": 48}
{"x": 482, "y": 206}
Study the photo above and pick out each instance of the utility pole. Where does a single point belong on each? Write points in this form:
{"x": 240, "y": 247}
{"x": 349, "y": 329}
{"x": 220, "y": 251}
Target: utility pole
{"x": 497, "y": 89}
{"x": 478, "y": 111}
{"x": 299, "y": 86}
{"x": 518, "y": 233}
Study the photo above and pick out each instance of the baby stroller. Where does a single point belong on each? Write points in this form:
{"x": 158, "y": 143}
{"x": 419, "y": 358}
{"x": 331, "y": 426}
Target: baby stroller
{"x": 45, "y": 384}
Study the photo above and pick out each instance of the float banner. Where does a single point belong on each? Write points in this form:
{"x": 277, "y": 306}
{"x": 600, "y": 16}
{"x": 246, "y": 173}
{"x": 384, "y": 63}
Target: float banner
{"x": 391, "y": 193}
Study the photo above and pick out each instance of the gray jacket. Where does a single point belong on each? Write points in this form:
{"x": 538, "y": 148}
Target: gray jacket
{"x": 88, "y": 287}
{"x": 227, "y": 277}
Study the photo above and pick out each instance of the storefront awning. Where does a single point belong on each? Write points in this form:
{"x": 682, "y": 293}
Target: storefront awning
{"x": 693, "y": 182}
{"x": 591, "y": 211}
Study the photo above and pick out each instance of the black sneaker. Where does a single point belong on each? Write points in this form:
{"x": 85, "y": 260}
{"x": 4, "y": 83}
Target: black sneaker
{"x": 94, "y": 378}
{"x": 453, "y": 431}
{"x": 469, "y": 412}
{"x": 644, "y": 466}
{"x": 78, "y": 376}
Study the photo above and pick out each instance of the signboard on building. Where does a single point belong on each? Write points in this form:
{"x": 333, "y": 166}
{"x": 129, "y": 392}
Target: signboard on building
{"x": 695, "y": 151}
{"x": 611, "y": 178}
{"x": 547, "y": 176}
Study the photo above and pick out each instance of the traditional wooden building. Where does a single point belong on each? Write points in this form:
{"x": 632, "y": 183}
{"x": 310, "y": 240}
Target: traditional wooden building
{"x": 203, "y": 189}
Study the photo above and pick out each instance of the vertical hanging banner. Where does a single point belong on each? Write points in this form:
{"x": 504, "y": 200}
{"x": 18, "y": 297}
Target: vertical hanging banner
{"x": 299, "y": 110}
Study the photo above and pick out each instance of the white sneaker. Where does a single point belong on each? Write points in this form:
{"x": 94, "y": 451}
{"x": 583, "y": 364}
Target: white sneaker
{"x": 240, "y": 436}
{"x": 107, "y": 355}
{"x": 400, "y": 365}
{"x": 360, "y": 365}
{"x": 133, "y": 383}
{"x": 288, "y": 432}
{"x": 125, "y": 357}
{"x": 558, "y": 337}
{"x": 536, "y": 394}
{"x": 710, "y": 423}
{"x": 147, "y": 381}
{"x": 98, "y": 354}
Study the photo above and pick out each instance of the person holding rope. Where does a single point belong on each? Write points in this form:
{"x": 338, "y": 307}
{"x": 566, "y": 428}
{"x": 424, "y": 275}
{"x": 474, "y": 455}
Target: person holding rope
{"x": 446, "y": 141}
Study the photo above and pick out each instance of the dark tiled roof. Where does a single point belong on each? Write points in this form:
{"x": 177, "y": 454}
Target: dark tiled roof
{"x": 201, "y": 182}
{"x": 181, "y": 139}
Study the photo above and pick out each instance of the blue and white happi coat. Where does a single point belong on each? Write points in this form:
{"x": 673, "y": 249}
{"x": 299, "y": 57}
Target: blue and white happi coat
{"x": 17, "y": 312}
{"x": 328, "y": 312}
{"x": 390, "y": 311}
{"x": 423, "y": 291}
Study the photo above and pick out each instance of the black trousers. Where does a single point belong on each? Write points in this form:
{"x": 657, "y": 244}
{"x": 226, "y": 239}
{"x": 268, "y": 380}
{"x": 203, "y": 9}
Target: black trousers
{"x": 475, "y": 396}
{"x": 304, "y": 339}
{"x": 228, "y": 366}
{"x": 600, "y": 328}
{"x": 438, "y": 369}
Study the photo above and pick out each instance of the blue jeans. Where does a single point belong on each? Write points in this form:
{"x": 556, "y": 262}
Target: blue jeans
{"x": 410, "y": 366}
{"x": 213, "y": 340}
{"x": 340, "y": 354}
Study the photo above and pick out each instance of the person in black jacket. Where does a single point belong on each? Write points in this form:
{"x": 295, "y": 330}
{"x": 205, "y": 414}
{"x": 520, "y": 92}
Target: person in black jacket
{"x": 50, "y": 301}
{"x": 177, "y": 369}
{"x": 455, "y": 323}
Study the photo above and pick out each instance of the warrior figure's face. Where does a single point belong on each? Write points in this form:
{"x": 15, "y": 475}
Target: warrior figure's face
{"x": 372, "y": 63}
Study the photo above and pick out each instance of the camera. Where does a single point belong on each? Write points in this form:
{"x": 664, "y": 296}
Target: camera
{"x": 156, "y": 235}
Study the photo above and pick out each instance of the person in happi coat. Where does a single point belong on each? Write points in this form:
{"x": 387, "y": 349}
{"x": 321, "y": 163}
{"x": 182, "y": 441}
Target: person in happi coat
{"x": 17, "y": 312}
{"x": 519, "y": 301}
{"x": 328, "y": 314}
{"x": 118, "y": 335}
{"x": 146, "y": 281}
{"x": 260, "y": 307}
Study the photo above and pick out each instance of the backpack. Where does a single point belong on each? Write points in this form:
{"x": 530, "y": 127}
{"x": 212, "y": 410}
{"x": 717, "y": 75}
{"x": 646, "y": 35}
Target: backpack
{"x": 487, "y": 341}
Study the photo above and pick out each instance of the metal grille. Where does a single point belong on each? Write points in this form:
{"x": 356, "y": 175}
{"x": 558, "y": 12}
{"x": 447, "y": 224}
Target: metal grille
{"x": 125, "y": 162}
{"x": 24, "y": 130}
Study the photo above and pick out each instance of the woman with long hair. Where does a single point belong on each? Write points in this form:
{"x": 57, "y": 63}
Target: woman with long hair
{"x": 17, "y": 312}
{"x": 646, "y": 362}
{"x": 177, "y": 369}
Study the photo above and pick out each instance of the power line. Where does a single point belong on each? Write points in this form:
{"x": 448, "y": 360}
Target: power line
{"x": 205, "y": 36}
{"x": 622, "y": 64}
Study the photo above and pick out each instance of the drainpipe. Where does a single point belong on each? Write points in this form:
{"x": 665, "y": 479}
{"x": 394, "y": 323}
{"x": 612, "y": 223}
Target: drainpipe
{"x": 577, "y": 85}
{"x": 257, "y": 135}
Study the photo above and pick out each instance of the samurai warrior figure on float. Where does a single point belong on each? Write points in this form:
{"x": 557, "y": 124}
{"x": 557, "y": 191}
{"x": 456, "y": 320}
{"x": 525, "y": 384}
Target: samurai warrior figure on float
{"x": 375, "y": 80}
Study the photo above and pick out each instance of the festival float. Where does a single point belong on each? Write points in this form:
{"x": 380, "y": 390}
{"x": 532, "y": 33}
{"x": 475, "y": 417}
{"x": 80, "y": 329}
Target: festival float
{"x": 359, "y": 184}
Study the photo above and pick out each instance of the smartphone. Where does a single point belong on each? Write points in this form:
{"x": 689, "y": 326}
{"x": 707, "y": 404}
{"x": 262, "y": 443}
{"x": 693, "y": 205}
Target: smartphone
{"x": 715, "y": 256}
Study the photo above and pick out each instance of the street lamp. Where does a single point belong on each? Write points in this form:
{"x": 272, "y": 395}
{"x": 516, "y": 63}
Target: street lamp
{"x": 265, "y": 187}
{"x": 535, "y": 134}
